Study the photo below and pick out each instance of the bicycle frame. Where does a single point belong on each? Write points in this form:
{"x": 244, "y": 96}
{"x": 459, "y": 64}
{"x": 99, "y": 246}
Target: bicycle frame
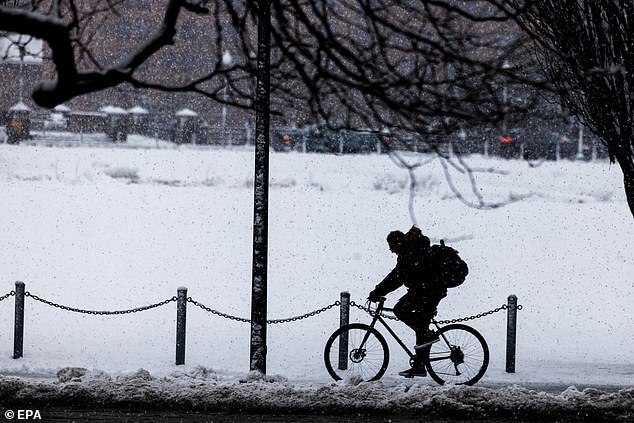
{"x": 376, "y": 317}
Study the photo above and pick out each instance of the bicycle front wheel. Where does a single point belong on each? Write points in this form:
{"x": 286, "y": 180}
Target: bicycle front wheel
{"x": 356, "y": 352}
{"x": 460, "y": 357}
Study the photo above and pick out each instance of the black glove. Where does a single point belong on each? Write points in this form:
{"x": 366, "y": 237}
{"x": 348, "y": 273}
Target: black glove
{"x": 374, "y": 297}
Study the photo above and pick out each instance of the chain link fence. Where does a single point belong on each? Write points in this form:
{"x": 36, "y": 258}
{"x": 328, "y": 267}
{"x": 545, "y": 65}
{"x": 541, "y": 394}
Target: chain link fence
{"x": 170, "y": 300}
{"x": 97, "y": 312}
{"x": 441, "y": 322}
{"x": 181, "y": 299}
{"x": 272, "y": 321}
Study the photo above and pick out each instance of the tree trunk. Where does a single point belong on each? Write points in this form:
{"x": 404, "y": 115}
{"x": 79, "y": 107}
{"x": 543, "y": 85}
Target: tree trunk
{"x": 628, "y": 180}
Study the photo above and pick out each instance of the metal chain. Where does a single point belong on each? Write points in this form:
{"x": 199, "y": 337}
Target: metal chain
{"x": 10, "y": 294}
{"x": 216, "y": 312}
{"x": 95, "y": 312}
{"x": 242, "y": 319}
{"x": 272, "y": 321}
{"x": 440, "y": 322}
{"x": 304, "y": 316}
{"x": 477, "y": 316}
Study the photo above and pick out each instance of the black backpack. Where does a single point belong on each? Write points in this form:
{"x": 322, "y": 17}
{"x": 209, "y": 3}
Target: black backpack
{"x": 448, "y": 268}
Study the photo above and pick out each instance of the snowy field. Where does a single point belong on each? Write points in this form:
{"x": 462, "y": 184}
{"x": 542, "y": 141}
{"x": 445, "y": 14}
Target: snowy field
{"x": 102, "y": 228}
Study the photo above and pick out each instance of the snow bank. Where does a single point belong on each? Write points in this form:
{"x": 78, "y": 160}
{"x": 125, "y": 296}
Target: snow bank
{"x": 202, "y": 389}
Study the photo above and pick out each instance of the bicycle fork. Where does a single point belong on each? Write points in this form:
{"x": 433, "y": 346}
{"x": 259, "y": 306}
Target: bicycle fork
{"x": 358, "y": 354}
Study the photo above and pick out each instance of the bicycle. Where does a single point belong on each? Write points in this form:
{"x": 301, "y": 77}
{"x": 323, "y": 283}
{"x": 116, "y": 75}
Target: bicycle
{"x": 358, "y": 351}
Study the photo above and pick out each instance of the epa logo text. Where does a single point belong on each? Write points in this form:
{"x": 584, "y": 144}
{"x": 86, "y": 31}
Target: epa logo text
{"x": 22, "y": 415}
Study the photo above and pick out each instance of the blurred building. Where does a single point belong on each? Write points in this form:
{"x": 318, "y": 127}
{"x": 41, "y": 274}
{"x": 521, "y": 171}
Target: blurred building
{"x": 20, "y": 69}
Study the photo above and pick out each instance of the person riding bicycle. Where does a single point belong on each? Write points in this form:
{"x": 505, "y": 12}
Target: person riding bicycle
{"x": 418, "y": 306}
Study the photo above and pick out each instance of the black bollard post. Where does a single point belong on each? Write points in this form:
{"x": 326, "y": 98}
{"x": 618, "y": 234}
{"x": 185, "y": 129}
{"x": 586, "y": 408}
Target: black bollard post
{"x": 181, "y": 314}
{"x": 344, "y": 319}
{"x": 511, "y": 333}
{"x": 18, "y": 328}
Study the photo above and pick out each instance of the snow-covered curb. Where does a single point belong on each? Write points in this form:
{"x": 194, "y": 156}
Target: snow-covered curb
{"x": 202, "y": 389}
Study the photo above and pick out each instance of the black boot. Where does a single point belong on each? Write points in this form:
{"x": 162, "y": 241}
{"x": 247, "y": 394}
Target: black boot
{"x": 417, "y": 369}
{"x": 414, "y": 372}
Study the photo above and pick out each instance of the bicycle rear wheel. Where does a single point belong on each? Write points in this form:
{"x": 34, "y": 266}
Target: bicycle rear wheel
{"x": 461, "y": 357}
{"x": 348, "y": 357}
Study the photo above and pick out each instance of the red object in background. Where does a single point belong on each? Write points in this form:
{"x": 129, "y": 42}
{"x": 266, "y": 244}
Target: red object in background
{"x": 506, "y": 140}
{"x": 287, "y": 139}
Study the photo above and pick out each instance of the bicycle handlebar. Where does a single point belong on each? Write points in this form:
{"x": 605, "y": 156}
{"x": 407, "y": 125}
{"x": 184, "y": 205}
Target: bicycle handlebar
{"x": 380, "y": 300}
{"x": 379, "y": 304}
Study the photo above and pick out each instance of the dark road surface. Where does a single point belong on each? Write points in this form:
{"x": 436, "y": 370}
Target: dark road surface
{"x": 132, "y": 416}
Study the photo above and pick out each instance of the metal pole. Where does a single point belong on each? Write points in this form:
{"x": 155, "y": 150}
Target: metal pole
{"x": 18, "y": 334}
{"x": 261, "y": 191}
{"x": 580, "y": 142}
{"x": 181, "y": 314}
{"x": 224, "y": 114}
{"x": 344, "y": 319}
{"x": 511, "y": 333}
{"x": 22, "y": 50}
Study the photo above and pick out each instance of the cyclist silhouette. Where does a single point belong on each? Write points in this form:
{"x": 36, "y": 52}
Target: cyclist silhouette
{"x": 418, "y": 306}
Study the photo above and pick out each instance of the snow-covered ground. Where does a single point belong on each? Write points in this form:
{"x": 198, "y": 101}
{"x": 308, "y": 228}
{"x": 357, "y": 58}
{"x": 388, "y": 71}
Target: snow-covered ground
{"x": 117, "y": 228}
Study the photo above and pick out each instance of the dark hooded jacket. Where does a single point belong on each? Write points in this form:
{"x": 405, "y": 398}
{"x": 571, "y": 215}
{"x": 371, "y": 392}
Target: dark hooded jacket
{"x": 412, "y": 268}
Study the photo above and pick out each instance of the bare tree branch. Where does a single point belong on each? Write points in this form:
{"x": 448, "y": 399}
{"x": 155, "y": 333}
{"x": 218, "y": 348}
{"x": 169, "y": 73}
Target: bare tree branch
{"x": 587, "y": 53}
{"x": 57, "y": 34}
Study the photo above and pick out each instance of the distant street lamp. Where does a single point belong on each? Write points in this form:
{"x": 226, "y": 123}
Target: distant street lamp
{"x": 223, "y": 118}
{"x": 505, "y": 138}
{"x": 226, "y": 62}
{"x": 22, "y": 50}
{"x": 505, "y": 99}
{"x": 580, "y": 142}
